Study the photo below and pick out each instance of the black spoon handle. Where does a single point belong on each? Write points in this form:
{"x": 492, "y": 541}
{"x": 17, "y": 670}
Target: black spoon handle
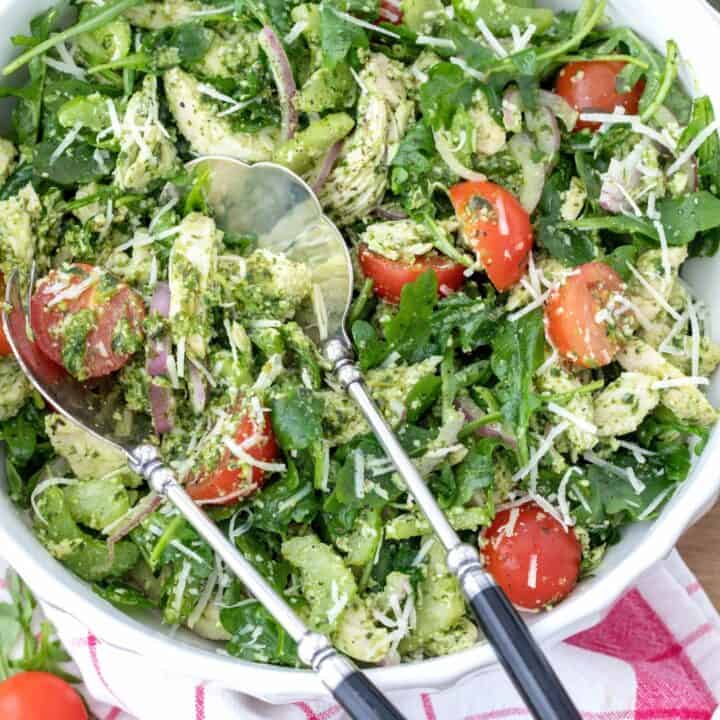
{"x": 516, "y": 649}
{"x": 363, "y": 701}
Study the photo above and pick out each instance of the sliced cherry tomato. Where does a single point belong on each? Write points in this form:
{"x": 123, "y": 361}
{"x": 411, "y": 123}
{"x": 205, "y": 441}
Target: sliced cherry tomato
{"x": 391, "y": 12}
{"x": 391, "y": 276}
{"x": 571, "y": 315}
{"x": 531, "y": 556}
{"x": 231, "y": 479}
{"x": 591, "y": 87}
{"x": 5, "y": 348}
{"x": 93, "y": 331}
{"x": 496, "y": 225}
{"x": 39, "y": 696}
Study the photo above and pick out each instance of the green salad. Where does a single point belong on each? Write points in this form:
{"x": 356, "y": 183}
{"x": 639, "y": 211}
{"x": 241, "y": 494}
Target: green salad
{"x": 519, "y": 189}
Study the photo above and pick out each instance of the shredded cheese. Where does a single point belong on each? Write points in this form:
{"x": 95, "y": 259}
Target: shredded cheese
{"x": 532, "y": 571}
{"x": 490, "y": 38}
{"x": 203, "y": 600}
{"x": 687, "y": 381}
{"x": 470, "y": 71}
{"x": 423, "y": 552}
{"x": 363, "y": 24}
{"x": 248, "y": 459}
{"x": 41, "y": 487}
{"x": 270, "y": 372}
{"x": 435, "y": 42}
{"x": 693, "y": 147}
{"x": 627, "y": 473}
{"x": 579, "y": 422}
{"x": 295, "y": 32}
{"x": 293, "y": 500}
{"x": 67, "y": 141}
{"x": 563, "y": 503}
{"x": 664, "y": 253}
{"x": 541, "y": 450}
{"x": 180, "y": 587}
{"x": 654, "y": 504}
{"x": 665, "y": 346}
{"x": 187, "y": 552}
{"x": 639, "y": 453}
{"x": 653, "y": 292}
{"x": 359, "y": 472}
{"x": 74, "y": 291}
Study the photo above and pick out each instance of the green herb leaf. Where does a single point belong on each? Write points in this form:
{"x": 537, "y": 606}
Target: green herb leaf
{"x": 297, "y": 419}
{"x": 446, "y": 90}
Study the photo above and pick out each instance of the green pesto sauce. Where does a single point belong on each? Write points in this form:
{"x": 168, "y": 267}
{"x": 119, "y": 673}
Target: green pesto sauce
{"x": 75, "y": 331}
{"x": 126, "y": 339}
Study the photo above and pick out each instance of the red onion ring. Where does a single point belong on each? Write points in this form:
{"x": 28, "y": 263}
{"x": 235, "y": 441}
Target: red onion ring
{"x": 327, "y": 166}
{"x": 284, "y": 80}
{"x": 160, "y": 302}
{"x": 472, "y": 412}
{"x": 389, "y": 214}
{"x": 198, "y": 390}
{"x": 161, "y": 406}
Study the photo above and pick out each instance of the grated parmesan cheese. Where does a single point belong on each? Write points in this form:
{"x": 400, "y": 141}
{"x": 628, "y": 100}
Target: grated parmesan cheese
{"x": 655, "y": 294}
{"x": 423, "y": 552}
{"x": 654, "y": 504}
{"x": 359, "y": 472}
{"x": 435, "y": 42}
{"x": 627, "y": 473}
{"x": 490, "y": 38}
{"x": 687, "y": 381}
{"x": 695, "y": 339}
{"x": 541, "y": 450}
{"x": 248, "y": 459}
{"x": 693, "y": 147}
{"x": 67, "y": 141}
{"x": 579, "y": 422}
{"x": 563, "y": 503}
{"x": 295, "y": 32}
{"x": 470, "y": 71}
{"x": 363, "y": 24}
{"x": 532, "y": 571}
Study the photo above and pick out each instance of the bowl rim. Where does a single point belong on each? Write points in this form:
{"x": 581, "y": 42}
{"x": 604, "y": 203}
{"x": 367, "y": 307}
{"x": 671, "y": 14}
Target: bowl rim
{"x": 58, "y": 589}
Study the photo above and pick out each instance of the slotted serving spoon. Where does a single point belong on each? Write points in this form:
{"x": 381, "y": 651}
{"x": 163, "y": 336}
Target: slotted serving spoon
{"x": 273, "y": 204}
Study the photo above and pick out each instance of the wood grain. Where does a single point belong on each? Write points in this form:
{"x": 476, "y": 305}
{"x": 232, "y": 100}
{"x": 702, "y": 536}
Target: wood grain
{"x": 700, "y": 548}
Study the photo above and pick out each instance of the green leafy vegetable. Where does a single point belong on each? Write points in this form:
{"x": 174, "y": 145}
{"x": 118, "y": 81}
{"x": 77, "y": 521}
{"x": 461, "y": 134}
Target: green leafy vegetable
{"x": 297, "y": 418}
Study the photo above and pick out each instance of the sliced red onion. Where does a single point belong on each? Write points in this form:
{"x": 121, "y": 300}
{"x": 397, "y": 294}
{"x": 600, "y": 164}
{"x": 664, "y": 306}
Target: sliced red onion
{"x": 472, "y": 412}
{"x": 622, "y": 177}
{"x": 146, "y": 507}
{"x": 522, "y": 149}
{"x": 327, "y": 166}
{"x": 560, "y": 108}
{"x": 446, "y": 153}
{"x": 512, "y": 110}
{"x": 284, "y": 80}
{"x": 160, "y": 302}
{"x": 385, "y": 213}
{"x": 543, "y": 125}
{"x": 162, "y": 406}
{"x": 198, "y": 390}
{"x": 157, "y": 364}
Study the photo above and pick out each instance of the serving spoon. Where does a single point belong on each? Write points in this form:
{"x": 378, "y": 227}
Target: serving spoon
{"x": 97, "y": 412}
{"x": 275, "y": 206}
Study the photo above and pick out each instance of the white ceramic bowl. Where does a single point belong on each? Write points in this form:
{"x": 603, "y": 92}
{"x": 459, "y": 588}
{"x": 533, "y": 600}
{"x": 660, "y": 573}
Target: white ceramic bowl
{"x": 696, "y": 29}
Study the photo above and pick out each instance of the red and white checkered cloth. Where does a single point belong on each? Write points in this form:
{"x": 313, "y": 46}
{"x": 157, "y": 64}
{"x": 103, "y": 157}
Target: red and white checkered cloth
{"x": 656, "y": 656}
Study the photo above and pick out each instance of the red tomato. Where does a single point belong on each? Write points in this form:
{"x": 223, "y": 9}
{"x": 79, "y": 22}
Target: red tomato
{"x": 113, "y": 306}
{"x": 535, "y": 562}
{"x": 39, "y": 696}
{"x": 496, "y": 225}
{"x": 391, "y": 276}
{"x": 231, "y": 479}
{"x": 5, "y": 348}
{"x": 571, "y": 315}
{"x": 391, "y": 11}
{"x": 591, "y": 87}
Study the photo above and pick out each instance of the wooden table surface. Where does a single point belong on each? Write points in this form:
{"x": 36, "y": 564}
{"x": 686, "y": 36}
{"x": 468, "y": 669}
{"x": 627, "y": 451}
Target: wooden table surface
{"x": 700, "y": 547}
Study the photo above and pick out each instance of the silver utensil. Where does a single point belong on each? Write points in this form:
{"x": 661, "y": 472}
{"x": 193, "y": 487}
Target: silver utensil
{"x": 273, "y": 204}
{"x": 97, "y": 413}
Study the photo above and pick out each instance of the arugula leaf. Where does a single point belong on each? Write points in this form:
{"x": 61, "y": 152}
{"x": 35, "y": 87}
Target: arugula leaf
{"x": 188, "y": 42}
{"x": 476, "y": 471}
{"x": 262, "y": 552}
{"x": 123, "y": 596}
{"x": 337, "y": 36}
{"x": 291, "y": 499}
{"x": 422, "y": 397}
{"x": 297, "y": 418}
{"x": 473, "y": 320}
{"x": 77, "y": 166}
{"x": 683, "y": 218}
{"x": 518, "y": 351}
{"x": 370, "y": 349}
{"x": 408, "y": 333}
{"x": 416, "y": 169}
{"x": 619, "y": 258}
{"x": 397, "y": 556}
{"x": 446, "y": 90}
{"x": 257, "y": 636}
{"x": 572, "y": 247}
{"x": 708, "y": 154}
{"x": 268, "y": 12}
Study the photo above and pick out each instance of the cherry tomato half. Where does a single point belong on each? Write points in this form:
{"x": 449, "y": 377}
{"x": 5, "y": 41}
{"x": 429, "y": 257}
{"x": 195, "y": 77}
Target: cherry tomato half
{"x": 571, "y": 315}
{"x": 5, "y": 348}
{"x": 531, "y": 556}
{"x": 591, "y": 87}
{"x": 391, "y": 276}
{"x": 497, "y": 226}
{"x": 391, "y": 12}
{"x": 231, "y": 480}
{"x": 39, "y": 696}
{"x": 108, "y": 316}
